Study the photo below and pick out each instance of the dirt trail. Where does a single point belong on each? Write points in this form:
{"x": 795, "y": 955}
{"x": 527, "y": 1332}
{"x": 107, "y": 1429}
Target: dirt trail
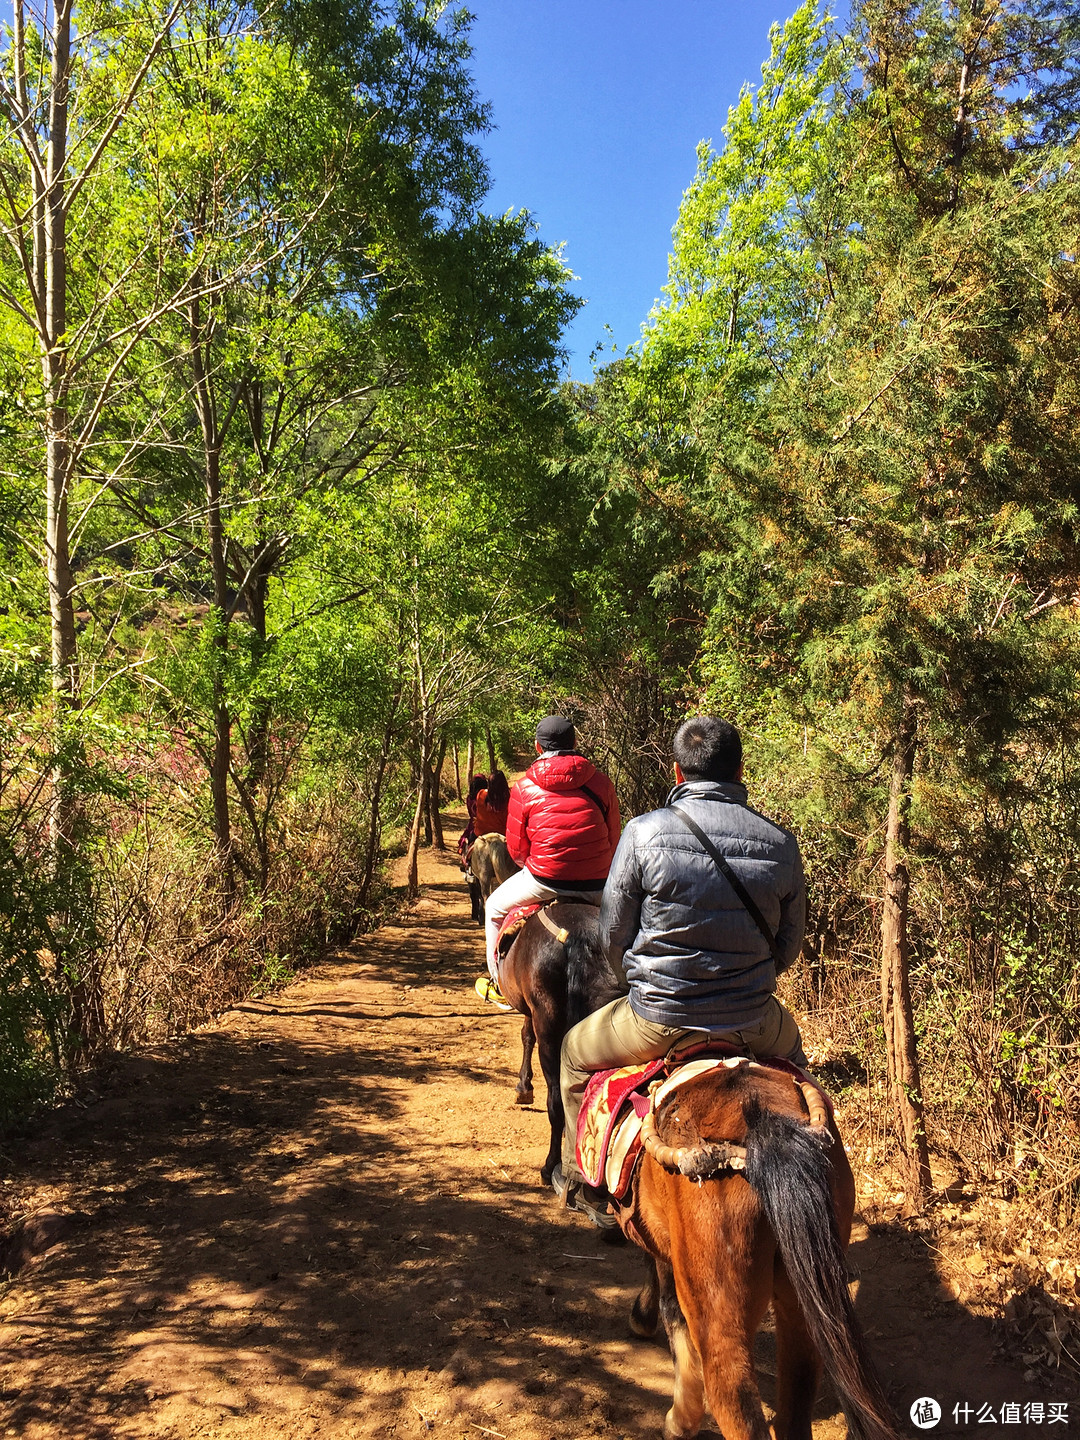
{"x": 322, "y": 1216}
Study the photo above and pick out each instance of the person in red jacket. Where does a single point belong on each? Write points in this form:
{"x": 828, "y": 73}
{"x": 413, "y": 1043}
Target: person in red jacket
{"x": 468, "y": 835}
{"x": 492, "y": 805}
{"x": 562, "y": 828}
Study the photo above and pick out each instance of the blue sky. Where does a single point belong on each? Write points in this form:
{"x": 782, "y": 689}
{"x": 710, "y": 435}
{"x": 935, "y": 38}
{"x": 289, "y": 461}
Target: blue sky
{"x": 599, "y": 105}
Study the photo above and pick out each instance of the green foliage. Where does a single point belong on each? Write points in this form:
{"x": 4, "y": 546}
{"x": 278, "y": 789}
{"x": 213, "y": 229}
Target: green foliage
{"x": 304, "y": 396}
{"x": 842, "y": 467}
{"x": 742, "y": 270}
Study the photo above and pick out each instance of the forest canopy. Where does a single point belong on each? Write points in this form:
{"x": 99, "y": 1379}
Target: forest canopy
{"x": 276, "y": 394}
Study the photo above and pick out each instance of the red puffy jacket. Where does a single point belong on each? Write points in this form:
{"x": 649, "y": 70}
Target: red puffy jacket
{"x": 555, "y": 828}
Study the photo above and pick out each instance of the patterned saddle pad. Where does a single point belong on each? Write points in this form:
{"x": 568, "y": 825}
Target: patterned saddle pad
{"x": 616, "y": 1102}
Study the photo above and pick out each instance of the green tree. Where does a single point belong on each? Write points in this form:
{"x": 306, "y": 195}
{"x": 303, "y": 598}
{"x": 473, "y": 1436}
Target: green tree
{"x": 309, "y": 385}
{"x": 853, "y": 406}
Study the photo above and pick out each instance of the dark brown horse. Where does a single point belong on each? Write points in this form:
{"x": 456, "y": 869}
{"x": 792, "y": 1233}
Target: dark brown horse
{"x": 726, "y": 1242}
{"x": 554, "y": 983}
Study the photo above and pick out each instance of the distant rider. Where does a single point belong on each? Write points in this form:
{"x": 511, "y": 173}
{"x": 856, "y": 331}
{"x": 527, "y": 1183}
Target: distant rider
{"x": 562, "y": 828}
{"x": 468, "y": 835}
{"x": 492, "y": 805}
{"x": 694, "y": 957}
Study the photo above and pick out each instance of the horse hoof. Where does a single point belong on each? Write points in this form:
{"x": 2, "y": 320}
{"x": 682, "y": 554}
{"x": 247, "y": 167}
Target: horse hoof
{"x": 672, "y": 1431}
{"x": 523, "y": 1097}
{"x": 641, "y": 1327}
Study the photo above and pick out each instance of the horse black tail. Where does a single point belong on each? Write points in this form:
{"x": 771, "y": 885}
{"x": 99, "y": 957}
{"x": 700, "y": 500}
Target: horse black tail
{"x": 590, "y": 980}
{"x": 788, "y": 1165}
{"x": 582, "y": 959}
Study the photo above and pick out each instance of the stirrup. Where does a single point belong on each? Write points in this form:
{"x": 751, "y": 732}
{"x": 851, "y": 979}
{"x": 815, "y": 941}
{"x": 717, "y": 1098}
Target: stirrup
{"x": 572, "y": 1194}
{"x": 488, "y": 991}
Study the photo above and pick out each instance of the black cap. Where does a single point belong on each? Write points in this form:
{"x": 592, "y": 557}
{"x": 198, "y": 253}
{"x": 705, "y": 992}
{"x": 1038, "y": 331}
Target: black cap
{"x": 555, "y": 732}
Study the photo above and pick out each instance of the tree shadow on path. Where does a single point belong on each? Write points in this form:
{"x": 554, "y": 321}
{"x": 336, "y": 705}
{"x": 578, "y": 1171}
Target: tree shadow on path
{"x": 323, "y": 1216}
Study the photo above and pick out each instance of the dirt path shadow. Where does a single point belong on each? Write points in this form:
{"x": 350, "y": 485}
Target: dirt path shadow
{"x": 322, "y": 1216}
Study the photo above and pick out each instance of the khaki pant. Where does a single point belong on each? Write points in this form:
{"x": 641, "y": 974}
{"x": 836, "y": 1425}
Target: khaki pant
{"x": 615, "y": 1036}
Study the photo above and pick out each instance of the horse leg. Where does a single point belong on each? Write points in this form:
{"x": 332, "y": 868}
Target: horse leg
{"x": 646, "y": 1308}
{"x": 524, "y": 1094}
{"x": 798, "y": 1365}
{"x": 550, "y": 1045}
{"x": 724, "y": 1261}
{"x": 683, "y": 1420}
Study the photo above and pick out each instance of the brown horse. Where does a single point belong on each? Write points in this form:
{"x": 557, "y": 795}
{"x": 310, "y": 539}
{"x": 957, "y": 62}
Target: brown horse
{"x": 554, "y": 983}
{"x": 742, "y": 1202}
{"x": 489, "y": 865}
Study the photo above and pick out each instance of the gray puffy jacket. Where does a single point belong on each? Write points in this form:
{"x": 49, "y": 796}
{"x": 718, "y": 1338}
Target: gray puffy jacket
{"x": 693, "y": 957}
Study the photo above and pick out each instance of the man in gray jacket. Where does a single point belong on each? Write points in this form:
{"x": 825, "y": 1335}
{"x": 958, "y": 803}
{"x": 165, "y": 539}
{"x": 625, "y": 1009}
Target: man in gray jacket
{"x": 695, "y": 958}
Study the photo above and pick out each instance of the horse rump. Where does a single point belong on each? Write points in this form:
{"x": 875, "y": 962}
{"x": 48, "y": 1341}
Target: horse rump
{"x": 789, "y": 1166}
{"x": 554, "y": 982}
{"x": 488, "y": 864}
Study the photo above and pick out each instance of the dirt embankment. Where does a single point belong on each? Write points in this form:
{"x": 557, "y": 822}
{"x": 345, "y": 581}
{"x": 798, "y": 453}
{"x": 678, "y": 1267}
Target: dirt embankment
{"x": 322, "y": 1216}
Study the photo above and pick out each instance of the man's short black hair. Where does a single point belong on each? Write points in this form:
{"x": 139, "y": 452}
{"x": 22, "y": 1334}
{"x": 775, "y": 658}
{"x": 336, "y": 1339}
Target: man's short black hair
{"x": 707, "y": 748}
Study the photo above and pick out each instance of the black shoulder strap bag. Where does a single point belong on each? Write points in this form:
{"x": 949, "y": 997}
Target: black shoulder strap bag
{"x": 732, "y": 879}
{"x": 595, "y": 798}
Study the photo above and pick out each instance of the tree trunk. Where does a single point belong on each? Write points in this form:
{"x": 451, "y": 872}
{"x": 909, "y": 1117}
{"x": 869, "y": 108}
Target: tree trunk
{"x": 435, "y": 796}
{"x": 412, "y": 862}
{"x": 492, "y": 763}
{"x": 470, "y": 760}
{"x": 900, "y": 1048}
{"x": 51, "y": 267}
{"x": 371, "y": 854}
{"x": 429, "y": 829}
{"x": 260, "y": 826}
{"x": 457, "y": 774}
{"x": 258, "y": 733}
{"x": 960, "y": 136}
{"x": 221, "y": 751}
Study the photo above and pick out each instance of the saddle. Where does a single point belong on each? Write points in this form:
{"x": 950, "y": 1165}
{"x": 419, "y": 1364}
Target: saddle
{"x": 615, "y": 1120}
{"x": 466, "y": 840}
{"x": 515, "y": 920}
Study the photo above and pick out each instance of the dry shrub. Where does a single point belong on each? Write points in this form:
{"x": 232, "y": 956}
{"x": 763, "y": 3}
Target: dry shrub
{"x": 172, "y": 950}
{"x": 627, "y": 721}
{"x": 147, "y": 931}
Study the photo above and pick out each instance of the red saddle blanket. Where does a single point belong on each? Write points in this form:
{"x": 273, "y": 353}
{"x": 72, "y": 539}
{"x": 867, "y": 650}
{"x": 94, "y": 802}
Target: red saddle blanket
{"x": 616, "y": 1102}
{"x": 514, "y": 922}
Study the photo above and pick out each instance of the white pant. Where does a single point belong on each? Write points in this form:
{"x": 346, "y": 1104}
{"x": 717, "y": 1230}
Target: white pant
{"x": 522, "y": 889}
